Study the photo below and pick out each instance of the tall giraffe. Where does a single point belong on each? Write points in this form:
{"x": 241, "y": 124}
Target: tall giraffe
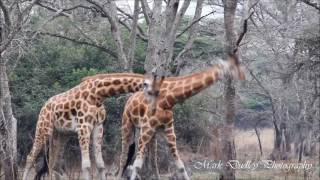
{"x": 172, "y": 91}
{"x": 81, "y": 110}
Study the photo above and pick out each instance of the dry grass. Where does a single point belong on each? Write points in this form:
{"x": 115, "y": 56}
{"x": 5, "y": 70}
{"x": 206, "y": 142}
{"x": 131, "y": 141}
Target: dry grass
{"x": 247, "y": 149}
{"x": 246, "y": 143}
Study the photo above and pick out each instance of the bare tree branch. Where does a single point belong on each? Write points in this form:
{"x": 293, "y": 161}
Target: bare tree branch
{"x": 104, "y": 49}
{"x": 132, "y": 42}
{"x": 312, "y": 4}
{"x": 111, "y": 14}
{"x": 146, "y": 11}
{"x": 192, "y": 35}
{"x": 193, "y": 22}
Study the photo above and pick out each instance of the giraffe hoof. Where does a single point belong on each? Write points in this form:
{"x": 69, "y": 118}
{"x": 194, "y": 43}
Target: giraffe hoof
{"x": 86, "y": 173}
{"x": 102, "y": 174}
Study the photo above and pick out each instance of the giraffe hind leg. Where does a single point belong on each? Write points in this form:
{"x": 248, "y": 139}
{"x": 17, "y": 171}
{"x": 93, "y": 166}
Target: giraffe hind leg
{"x": 171, "y": 140}
{"x": 145, "y": 136}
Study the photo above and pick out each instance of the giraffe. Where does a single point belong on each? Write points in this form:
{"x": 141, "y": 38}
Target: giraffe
{"x": 81, "y": 110}
{"x": 172, "y": 91}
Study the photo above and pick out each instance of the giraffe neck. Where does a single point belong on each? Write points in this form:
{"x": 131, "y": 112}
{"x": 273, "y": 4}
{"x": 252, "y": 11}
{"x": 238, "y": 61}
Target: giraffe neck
{"x": 106, "y": 85}
{"x": 180, "y": 88}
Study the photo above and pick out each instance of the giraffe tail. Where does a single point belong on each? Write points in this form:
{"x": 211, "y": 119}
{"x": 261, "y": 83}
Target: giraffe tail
{"x": 130, "y": 154}
{"x": 43, "y": 169}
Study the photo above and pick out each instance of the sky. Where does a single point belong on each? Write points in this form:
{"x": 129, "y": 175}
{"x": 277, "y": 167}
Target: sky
{"x": 127, "y": 5}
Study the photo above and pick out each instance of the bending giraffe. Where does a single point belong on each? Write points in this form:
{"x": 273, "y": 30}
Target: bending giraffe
{"x": 81, "y": 110}
{"x": 172, "y": 91}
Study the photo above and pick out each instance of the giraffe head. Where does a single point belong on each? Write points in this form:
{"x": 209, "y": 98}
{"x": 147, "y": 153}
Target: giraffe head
{"x": 232, "y": 67}
{"x": 152, "y": 84}
{"x": 151, "y": 88}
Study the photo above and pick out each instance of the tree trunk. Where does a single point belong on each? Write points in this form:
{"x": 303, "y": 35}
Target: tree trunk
{"x": 227, "y": 134}
{"x": 259, "y": 140}
{"x": 8, "y": 127}
{"x": 229, "y": 93}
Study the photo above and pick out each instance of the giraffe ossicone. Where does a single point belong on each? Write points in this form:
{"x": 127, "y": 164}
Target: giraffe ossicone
{"x": 81, "y": 110}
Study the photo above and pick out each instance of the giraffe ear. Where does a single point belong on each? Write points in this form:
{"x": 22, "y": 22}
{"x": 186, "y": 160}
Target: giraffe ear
{"x": 241, "y": 74}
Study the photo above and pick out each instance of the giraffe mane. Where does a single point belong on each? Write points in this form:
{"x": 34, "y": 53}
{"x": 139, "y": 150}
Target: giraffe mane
{"x": 110, "y": 75}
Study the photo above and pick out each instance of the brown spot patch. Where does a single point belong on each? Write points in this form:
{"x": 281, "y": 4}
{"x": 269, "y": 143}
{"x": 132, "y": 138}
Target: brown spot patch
{"x": 208, "y": 80}
{"x": 164, "y": 85}
{"x": 116, "y": 82}
{"x": 178, "y": 90}
{"x": 66, "y": 116}
{"x": 85, "y": 107}
{"x": 150, "y": 132}
{"x": 48, "y": 116}
{"x": 78, "y": 104}
{"x": 80, "y": 114}
{"x": 92, "y": 100}
{"x": 73, "y": 112}
{"x": 130, "y": 89}
{"x": 58, "y": 114}
{"x": 85, "y": 95}
{"x": 134, "y": 83}
{"x": 172, "y": 85}
{"x": 106, "y": 83}
{"x": 142, "y": 110}
{"x": 102, "y": 92}
{"x": 73, "y": 103}
{"x": 83, "y": 86}
{"x": 145, "y": 128}
{"x": 135, "y": 102}
{"x": 67, "y": 105}
{"x": 100, "y": 84}
{"x": 135, "y": 111}
{"x": 48, "y": 106}
{"x": 173, "y": 150}
{"x": 90, "y": 85}
{"x": 93, "y": 90}
{"x": 198, "y": 86}
{"x": 153, "y": 122}
{"x": 112, "y": 92}
{"x": 88, "y": 119}
{"x": 163, "y": 104}
{"x": 80, "y": 120}
{"x": 77, "y": 95}
{"x": 145, "y": 137}
{"x": 170, "y": 100}
{"x": 121, "y": 89}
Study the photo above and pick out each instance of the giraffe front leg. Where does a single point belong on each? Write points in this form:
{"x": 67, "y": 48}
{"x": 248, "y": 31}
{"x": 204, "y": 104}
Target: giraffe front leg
{"x": 171, "y": 140}
{"x": 84, "y": 132}
{"x": 97, "y": 143}
{"x": 146, "y": 134}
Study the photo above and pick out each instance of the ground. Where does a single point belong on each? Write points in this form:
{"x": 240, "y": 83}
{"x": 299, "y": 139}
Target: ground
{"x": 247, "y": 150}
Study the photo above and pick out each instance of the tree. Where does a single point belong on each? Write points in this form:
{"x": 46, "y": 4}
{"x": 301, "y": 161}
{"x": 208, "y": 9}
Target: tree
{"x": 231, "y": 47}
{"x": 14, "y": 16}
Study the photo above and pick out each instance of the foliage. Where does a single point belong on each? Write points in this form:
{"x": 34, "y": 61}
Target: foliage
{"x": 51, "y": 67}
